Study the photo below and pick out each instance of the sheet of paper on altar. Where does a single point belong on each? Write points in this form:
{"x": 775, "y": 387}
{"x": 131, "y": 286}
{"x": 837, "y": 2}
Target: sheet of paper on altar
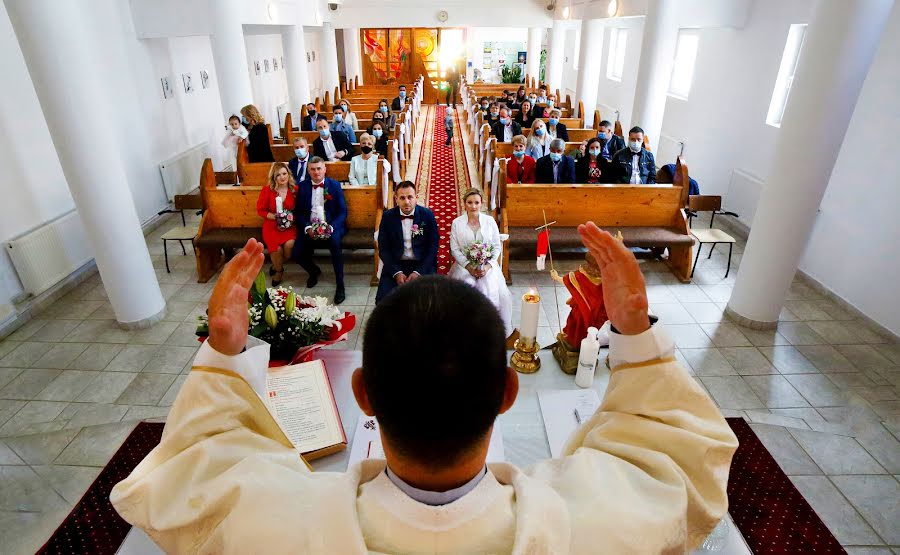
{"x": 563, "y": 410}
{"x": 367, "y": 442}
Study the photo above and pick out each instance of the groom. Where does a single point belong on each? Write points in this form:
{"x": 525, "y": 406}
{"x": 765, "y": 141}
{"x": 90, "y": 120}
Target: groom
{"x": 407, "y": 241}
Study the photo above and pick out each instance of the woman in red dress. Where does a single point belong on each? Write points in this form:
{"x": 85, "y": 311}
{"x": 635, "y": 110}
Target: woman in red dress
{"x": 278, "y": 235}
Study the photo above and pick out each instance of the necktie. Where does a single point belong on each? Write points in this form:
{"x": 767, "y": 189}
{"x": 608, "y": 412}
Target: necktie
{"x": 319, "y": 185}
{"x": 402, "y": 217}
{"x": 301, "y": 169}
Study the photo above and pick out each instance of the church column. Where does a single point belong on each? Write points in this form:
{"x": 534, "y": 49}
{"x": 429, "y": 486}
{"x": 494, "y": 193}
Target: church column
{"x": 839, "y": 47}
{"x": 352, "y": 62}
{"x": 330, "y": 76}
{"x": 655, "y": 67}
{"x": 94, "y": 169}
{"x": 589, "y": 72}
{"x": 230, "y": 55}
{"x": 556, "y": 55}
{"x": 297, "y": 72}
{"x": 533, "y": 58}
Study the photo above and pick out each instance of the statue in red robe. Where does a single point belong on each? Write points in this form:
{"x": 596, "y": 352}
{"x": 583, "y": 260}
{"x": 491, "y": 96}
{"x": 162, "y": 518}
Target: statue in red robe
{"x": 587, "y": 310}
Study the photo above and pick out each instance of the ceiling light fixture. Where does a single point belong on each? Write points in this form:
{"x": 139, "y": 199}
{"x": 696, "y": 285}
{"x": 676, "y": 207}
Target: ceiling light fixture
{"x": 612, "y": 8}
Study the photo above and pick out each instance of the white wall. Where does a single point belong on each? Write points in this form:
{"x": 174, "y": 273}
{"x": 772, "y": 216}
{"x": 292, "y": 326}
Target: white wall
{"x": 461, "y": 13}
{"x": 269, "y": 87}
{"x": 619, "y": 95}
{"x": 313, "y": 39}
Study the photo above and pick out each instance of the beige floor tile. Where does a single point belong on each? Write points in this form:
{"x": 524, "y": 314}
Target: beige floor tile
{"x": 704, "y": 313}
{"x": 146, "y": 389}
{"x": 28, "y": 383}
{"x": 132, "y": 358}
{"x": 34, "y": 412}
{"x": 67, "y": 386}
{"x": 792, "y": 459}
{"x": 60, "y": 355}
{"x": 775, "y": 391}
{"x": 788, "y": 360}
{"x": 731, "y": 392}
{"x": 170, "y": 359}
{"x": 26, "y": 330}
{"x": 835, "y": 511}
{"x": 8, "y": 456}
{"x": 8, "y": 374}
{"x": 41, "y": 448}
{"x": 106, "y": 387}
{"x": 94, "y": 445}
{"x": 144, "y": 412}
{"x": 96, "y": 357}
{"x": 24, "y": 355}
{"x": 875, "y": 497}
{"x": 8, "y": 408}
{"x": 763, "y": 338}
{"x": 172, "y": 392}
{"x": 836, "y": 454}
{"x": 184, "y": 335}
{"x": 865, "y": 356}
{"x": 766, "y": 417}
{"x": 799, "y": 333}
{"x": 707, "y": 362}
{"x": 689, "y": 336}
{"x": 883, "y": 446}
{"x": 748, "y": 360}
{"x": 54, "y": 331}
{"x": 826, "y": 358}
{"x": 92, "y": 414}
{"x": 819, "y": 390}
{"x": 725, "y": 334}
{"x": 71, "y": 482}
{"x": 23, "y": 490}
{"x": 155, "y": 335}
{"x": 834, "y": 332}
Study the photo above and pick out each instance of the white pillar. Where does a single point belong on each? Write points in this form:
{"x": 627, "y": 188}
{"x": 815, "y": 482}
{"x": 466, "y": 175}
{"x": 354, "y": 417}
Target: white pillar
{"x": 589, "y": 72}
{"x": 556, "y": 55}
{"x": 230, "y": 55}
{"x": 533, "y": 58}
{"x": 352, "y": 64}
{"x": 93, "y": 168}
{"x": 840, "y": 43}
{"x": 296, "y": 65}
{"x": 330, "y": 76}
{"x": 655, "y": 67}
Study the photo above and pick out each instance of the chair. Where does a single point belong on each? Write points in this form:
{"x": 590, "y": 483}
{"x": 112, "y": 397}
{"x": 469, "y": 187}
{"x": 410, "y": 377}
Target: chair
{"x": 706, "y": 203}
{"x": 180, "y": 234}
{"x": 713, "y": 204}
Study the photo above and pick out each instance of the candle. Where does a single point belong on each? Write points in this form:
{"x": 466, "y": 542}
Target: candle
{"x": 531, "y": 310}
{"x": 279, "y": 204}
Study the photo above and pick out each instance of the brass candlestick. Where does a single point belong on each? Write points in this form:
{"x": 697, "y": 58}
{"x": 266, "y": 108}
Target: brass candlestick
{"x": 525, "y": 360}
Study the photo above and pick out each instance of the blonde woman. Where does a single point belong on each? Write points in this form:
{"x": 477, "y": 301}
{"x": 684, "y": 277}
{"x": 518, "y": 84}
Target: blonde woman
{"x": 555, "y": 129}
{"x": 476, "y": 227}
{"x": 278, "y": 236}
{"x": 364, "y": 167}
{"x": 349, "y": 115}
{"x": 538, "y": 140}
{"x": 258, "y": 140}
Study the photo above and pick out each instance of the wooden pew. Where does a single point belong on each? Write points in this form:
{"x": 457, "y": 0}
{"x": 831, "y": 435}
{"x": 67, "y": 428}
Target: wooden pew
{"x": 256, "y": 174}
{"x": 649, "y": 216}
{"x": 230, "y": 219}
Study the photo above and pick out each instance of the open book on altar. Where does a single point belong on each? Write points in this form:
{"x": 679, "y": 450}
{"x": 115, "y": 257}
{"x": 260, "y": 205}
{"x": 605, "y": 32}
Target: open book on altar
{"x": 301, "y": 400}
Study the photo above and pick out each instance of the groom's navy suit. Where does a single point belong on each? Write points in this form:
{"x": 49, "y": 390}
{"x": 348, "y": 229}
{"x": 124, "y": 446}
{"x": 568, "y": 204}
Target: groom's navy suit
{"x": 390, "y": 247}
{"x": 335, "y": 215}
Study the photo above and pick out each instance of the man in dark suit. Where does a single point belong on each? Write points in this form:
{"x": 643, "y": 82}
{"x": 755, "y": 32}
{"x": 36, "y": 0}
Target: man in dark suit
{"x": 330, "y": 146}
{"x": 298, "y": 163}
{"x": 309, "y": 120}
{"x": 555, "y": 167}
{"x": 452, "y": 84}
{"x": 634, "y": 164}
{"x": 611, "y": 142}
{"x": 321, "y": 198}
{"x": 399, "y": 102}
{"x": 407, "y": 241}
{"x": 506, "y": 128}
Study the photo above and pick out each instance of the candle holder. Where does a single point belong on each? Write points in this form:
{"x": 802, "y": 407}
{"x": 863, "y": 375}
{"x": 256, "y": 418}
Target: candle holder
{"x": 525, "y": 359}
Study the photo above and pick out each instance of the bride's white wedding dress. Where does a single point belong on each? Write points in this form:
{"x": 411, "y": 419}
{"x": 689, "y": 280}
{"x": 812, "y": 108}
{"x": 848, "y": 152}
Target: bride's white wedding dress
{"x": 493, "y": 284}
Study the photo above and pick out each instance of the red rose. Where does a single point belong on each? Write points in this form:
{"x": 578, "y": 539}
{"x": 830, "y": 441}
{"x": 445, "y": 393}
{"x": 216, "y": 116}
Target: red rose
{"x": 328, "y": 197}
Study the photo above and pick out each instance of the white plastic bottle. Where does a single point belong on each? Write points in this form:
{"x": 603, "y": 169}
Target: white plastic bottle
{"x": 587, "y": 359}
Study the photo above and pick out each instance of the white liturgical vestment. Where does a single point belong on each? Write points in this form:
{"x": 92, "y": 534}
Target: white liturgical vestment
{"x": 646, "y": 474}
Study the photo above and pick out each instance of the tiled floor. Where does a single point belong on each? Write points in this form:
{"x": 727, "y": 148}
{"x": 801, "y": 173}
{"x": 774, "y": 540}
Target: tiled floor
{"x": 822, "y": 391}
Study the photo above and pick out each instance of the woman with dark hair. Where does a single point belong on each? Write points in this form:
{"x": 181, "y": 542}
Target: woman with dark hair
{"x": 259, "y": 142}
{"x": 592, "y": 167}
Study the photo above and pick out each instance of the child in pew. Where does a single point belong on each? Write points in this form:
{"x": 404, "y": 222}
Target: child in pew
{"x": 448, "y": 125}
{"x": 235, "y": 132}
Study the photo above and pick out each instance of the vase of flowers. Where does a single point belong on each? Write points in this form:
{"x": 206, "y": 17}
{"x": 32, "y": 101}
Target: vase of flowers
{"x": 479, "y": 253}
{"x": 294, "y": 326}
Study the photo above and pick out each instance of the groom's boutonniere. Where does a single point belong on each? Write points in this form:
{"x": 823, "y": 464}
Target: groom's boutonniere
{"x": 418, "y": 230}
{"x": 328, "y": 197}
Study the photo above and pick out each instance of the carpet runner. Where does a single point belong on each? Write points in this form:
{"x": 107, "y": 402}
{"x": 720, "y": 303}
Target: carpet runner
{"x": 444, "y": 176}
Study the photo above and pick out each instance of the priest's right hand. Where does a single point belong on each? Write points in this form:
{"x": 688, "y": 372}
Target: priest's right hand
{"x": 624, "y": 291}
{"x": 228, "y": 318}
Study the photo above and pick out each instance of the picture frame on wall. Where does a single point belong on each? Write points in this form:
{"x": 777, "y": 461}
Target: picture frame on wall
{"x": 256, "y": 66}
{"x": 204, "y": 78}
{"x": 274, "y": 64}
{"x": 314, "y": 55}
{"x": 266, "y": 62}
{"x": 167, "y": 88}
{"x": 308, "y": 59}
{"x": 188, "y": 84}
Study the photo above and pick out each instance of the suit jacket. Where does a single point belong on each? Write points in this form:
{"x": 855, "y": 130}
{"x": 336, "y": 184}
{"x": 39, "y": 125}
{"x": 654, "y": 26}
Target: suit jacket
{"x": 622, "y": 162}
{"x": 561, "y": 131}
{"x": 526, "y": 168}
{"x": 294, "y": 164}
{"x": 340, "y": 143}
{"x": 614, "y": 145}
{"x": 390, "y": 241}
{"x": 497, "y": 130}
{"x": 335, "y": 207}
{"x": 395, "y": 104}
{"x": 308, "y": 123}
{"x": 544, "y": 170}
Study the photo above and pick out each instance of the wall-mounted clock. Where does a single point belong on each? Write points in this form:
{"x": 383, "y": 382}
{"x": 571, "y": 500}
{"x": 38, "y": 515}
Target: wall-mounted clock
{"x": 443, "y": 16}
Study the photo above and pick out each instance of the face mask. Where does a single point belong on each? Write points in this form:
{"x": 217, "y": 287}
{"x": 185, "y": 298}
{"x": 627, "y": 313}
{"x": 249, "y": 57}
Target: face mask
{"x": 519, "y": 153}
{"x": 402, "y": 94}
{"x": 344, "y": 106}
{"x": 244, "y": 120}
{"x": 300, "y": 152}
{"x": 383, "y": 109}
{"x": 601, "y": 136}
{"x": 539, "y": 131}
{"x": 324, "y": 133}
{"x": 494, "y": 114}
{"x": 311, "y": 112}
{"x": 553, "y": 121}
{"x": 365, "y": 149}
{"x": 504, "y": 121}
{"x": 377, "y": 133}
{"x": 635, "y": 146}
{"x": 532, "y": 99}
{"x": 338, "y": 118}
{"x": 549, "y": 104}
{"x": 594, "y": 152}
{"x": 555, "y": 156}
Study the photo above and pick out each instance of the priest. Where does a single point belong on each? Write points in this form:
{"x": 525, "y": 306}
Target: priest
{"x": 646, "y": 474}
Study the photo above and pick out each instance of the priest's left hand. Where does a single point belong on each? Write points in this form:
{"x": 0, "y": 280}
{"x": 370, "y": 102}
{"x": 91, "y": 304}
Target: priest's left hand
{"x": 228, "y": 319}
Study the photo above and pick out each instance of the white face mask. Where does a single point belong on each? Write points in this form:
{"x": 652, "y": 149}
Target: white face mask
{"x": 635, "y": 146}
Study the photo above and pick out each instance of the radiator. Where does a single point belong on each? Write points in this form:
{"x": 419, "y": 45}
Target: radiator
{"x": 181, "y": 173}
{"x": 743, "y": 195}
{"x": 668, "y": 150}
{"x": 48, "y": 254}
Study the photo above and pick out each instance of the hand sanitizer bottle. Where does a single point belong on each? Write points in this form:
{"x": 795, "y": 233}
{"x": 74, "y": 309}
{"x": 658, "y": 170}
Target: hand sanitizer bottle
{"x": 587, "y": 359}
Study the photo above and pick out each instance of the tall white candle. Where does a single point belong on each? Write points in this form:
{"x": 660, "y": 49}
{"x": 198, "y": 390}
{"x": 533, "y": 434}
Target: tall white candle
{"x": 531, "y": 310}
{"x": 279, "y": 204}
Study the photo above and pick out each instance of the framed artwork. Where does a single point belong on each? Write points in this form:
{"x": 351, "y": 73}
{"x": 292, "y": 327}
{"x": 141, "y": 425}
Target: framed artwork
{"x": 204, "y": 78}
{"x": 188, "y": 86}
{"x": 274, "y": 64}
{"x": 266, "y": 62}
{"x": 167, "y": 87}
{"x": 256, "y": 66}
{"x": 308, "y": 59}
{"x": 314, "y": 55}
{"x": 523, "y": 57}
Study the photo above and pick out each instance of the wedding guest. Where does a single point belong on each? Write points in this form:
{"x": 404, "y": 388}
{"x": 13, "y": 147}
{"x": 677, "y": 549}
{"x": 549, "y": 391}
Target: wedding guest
{"x": 407, "y": 241}
{"x": 635, "y": 164}
{"x": 278, "y": 236}
{"x": 555, "y": 129}
{"x": 381, "y": 138}
{"x": 349, "y": 115}
{"x": 550, "y": 104}
{"x": 309, "y": 120}
{"x": 556, "y": 167}
{"x": 520, "y": 168}
{"x": 538, "y": 140}
{"x": 592, "y": 168}
{"x": 258, "y": 140}
{"x": 298, "y": 163}
{"x": 609, "y": 141}
{"x": 331, "y": 146}
{"x": 364, "y": 167}
{"x": 235, "y": 133}
{"x": 338, "y": 125}
{"x": 520, "y": 94}
{"x": 505, "y": 128}
{"x": 399, "y": 102}
{"x": 475, "y": 227}
{"x": 525, "y": 116}
{"x": 493, "y": 116}
{"x": 542, "y": 95}
{"x": 320, "y": 198}
{"x": 389, "y": 117}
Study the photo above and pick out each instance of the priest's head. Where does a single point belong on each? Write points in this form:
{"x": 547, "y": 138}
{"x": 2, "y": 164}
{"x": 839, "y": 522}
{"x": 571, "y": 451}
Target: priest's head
{"x": 435, "y": 375}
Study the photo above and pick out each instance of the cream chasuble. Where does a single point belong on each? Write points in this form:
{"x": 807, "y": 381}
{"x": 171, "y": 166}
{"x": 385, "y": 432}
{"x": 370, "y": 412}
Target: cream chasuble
{"x": 646, "y": 474}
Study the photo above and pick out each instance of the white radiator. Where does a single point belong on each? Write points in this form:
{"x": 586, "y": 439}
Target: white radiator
{"x": 743, "y": 195}
{"x": 51, "y": 252}
{"x": 181, "y": 173}
{"x": 668, "y": 150}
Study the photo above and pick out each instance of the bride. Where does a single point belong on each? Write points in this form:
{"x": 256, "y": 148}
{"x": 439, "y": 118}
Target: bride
{"x": 474, "y": 227}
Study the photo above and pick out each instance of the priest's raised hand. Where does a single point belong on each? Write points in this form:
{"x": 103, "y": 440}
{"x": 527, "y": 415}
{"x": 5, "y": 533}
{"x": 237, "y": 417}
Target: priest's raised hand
{"x": 228, "y": 319}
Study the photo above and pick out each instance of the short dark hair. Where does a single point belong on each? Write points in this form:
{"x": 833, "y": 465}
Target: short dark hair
{"x": 635, "y": 129}
{"x": 311, "y": 104}
{"x": 591, "y": 141}
{"x": 401, "y": 87}
{"x": 337, "y": 107}
{"x": 435, "y": 389}
{"x": 316, "y": 160}
{"x": 320, "y": 117}
{"x": 403, "y": 185}
{"x": 234, "y": 116}
{"x": 605, "y": 123}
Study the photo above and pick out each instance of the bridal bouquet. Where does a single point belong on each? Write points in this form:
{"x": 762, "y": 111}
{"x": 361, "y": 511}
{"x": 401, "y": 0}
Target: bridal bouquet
{"x": 294, "y": 326}
{"x": 479, "y": 254}
{"x": 284, "y": 220}
{"x": 320, "y": 228}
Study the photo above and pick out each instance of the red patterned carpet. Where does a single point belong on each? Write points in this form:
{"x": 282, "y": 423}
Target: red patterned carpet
{"x": 442, "y": 169}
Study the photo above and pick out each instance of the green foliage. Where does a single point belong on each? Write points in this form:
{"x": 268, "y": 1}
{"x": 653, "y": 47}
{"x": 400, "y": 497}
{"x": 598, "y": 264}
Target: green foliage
{"x": 511, "y": 73}
{"x": 543, "y": 64}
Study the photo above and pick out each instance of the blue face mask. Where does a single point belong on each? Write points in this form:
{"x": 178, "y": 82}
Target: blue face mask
{"x": 555, "y": 156}
{"x": 594, "y": 152}
{"x": 504, "y": 121}
{"x": 244, "y": 120}
{"x": 519, "y": 153}
{"x": 601, "y": 136}
{"x": 377, "y": 133}
{"x": 300, "y": 152}
{"x": 549, "y": 104}
{"x": 539, "y": 131}
{"x": 553, "y": 121}
{"x": 383, "y": 109}
{"x": 402, "y": 94}
{"x": 338, "y": 118}
{"x": 324, "y": 133}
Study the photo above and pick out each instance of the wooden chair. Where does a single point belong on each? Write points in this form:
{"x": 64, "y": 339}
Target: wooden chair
{"x": 713, "y": 205}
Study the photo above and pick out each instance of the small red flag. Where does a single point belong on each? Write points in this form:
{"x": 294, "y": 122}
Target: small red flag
{"x": 543, "y": 246}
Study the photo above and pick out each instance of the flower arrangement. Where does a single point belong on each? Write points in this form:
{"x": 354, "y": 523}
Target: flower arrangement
{"x": 417, "y": 230}
{"x": 292, "y": 325}
{"x": 320, "y": 228}
{"x": 479, "y": 254}
{"x": 284, "y": 220}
